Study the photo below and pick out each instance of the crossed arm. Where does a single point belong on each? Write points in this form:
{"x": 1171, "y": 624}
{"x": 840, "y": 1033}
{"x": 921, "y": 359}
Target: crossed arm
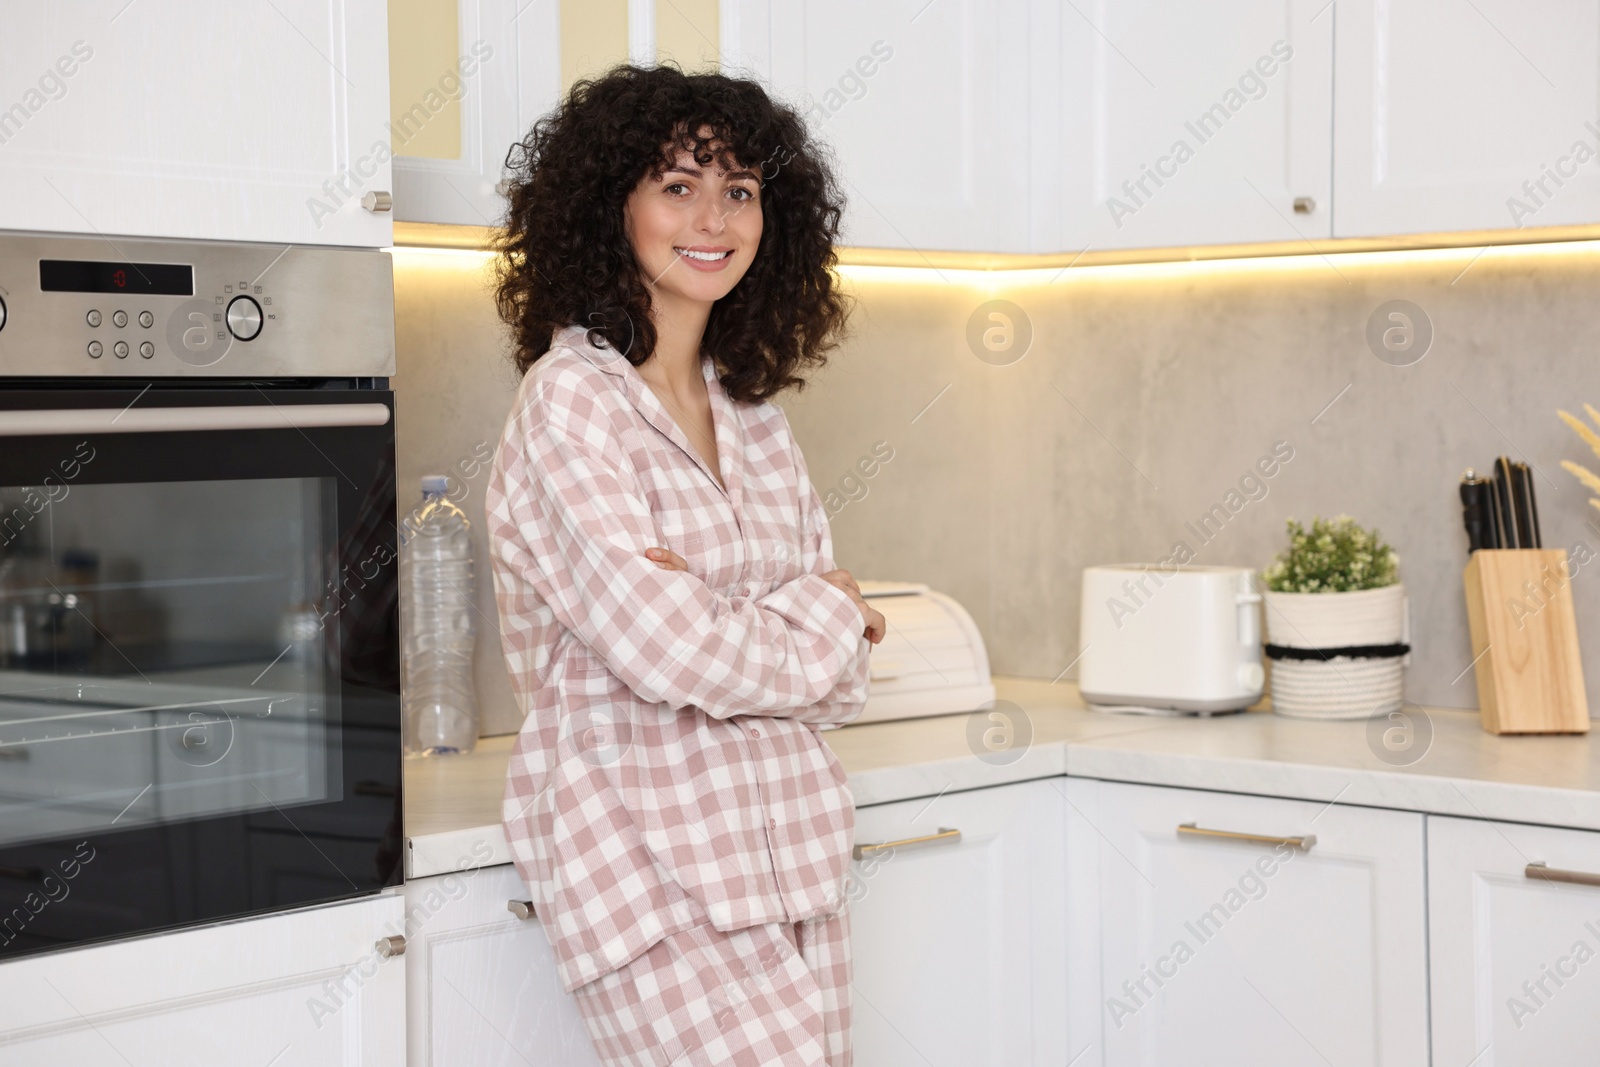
{"x": 585, "y": 531}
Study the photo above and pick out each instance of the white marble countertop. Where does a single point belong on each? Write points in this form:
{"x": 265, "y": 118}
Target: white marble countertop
{"x": 452, "y": 804}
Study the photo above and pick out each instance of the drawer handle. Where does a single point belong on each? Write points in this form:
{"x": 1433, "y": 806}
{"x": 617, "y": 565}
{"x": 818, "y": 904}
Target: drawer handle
{"x": 522, "y": 909}
{"x": 1303, "y": 842}
{"x": 392, "y": 946}
{"x": 1552, "y": 874}
{"x": 944, "y": 834}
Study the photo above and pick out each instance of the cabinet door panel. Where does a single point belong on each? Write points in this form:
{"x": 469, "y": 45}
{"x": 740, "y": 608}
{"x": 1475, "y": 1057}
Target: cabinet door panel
{"x": 1444, "y": 110}
{"x": 1515, "y": 971}
{"x": 304, "y": 989}
{"x": 1217, "y": 950}
{"x": 1194, "y": 123}
{"x": 254, "y": 122}
{"x": 482, "y": 984}
{"x": 512, "y": 52}
{"x": 959, "y": 949}
{"x": 924, "y": 105}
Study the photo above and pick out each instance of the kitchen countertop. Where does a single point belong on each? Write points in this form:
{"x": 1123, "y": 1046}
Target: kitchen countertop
{"x": 452, "y": 804}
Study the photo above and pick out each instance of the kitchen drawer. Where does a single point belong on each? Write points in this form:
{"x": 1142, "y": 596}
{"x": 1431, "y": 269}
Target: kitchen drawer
{"x": 959, "y": 943}
{"x": 482, "y": 984}
{"x": 1516, "y": 959}
{"x": 307, "y": 988}
{"x": 1217, "y": 949}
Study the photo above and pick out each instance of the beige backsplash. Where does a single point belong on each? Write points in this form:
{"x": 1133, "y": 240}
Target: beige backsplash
{"x": 1146, "y": 395}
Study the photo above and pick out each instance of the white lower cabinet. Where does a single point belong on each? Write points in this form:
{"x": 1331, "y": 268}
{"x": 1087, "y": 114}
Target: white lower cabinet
{"x": 303, "y": 989}
{"x": 1516, "y": 956}
{"x": 959, "y": 942}
{"x": 483, "y": 988}
{"x": 1234, "y": 949}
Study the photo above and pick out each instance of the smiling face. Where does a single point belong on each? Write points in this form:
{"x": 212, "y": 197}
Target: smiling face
{"x": 694, "y": 228}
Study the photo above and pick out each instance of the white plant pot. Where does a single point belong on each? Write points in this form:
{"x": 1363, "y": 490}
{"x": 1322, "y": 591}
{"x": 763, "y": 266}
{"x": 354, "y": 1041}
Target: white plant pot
{"x": 1340, "y": 688}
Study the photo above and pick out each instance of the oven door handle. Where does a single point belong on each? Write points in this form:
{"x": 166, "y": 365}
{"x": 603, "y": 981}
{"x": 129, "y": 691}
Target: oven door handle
{"x": 268, "y": 416}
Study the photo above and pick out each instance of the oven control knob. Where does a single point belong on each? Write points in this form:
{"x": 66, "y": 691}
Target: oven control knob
{"x": 2, "y": 314}
{"x": 244, "y": 318}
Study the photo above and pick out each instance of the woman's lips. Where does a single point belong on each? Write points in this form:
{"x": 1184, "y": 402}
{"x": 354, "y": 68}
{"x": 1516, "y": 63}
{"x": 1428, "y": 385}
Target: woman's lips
{"x": 709, "y": 266}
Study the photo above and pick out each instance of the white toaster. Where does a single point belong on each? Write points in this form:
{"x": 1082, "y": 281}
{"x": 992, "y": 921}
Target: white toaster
{"x": 932, "y": 661}
{"x": 1187, "y": 640}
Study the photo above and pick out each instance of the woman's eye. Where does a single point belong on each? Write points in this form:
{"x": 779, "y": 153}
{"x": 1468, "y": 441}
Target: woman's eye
{"x": 676, "y": 188}
{"x": 739, "y": 192}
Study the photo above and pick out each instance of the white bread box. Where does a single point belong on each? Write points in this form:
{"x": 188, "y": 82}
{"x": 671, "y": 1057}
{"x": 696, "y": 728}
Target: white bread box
{"x": 930, "y": 662}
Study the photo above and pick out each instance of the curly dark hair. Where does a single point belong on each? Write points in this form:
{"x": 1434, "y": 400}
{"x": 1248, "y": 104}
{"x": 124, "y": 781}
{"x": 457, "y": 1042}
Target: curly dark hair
{"x": 564, "y": 254}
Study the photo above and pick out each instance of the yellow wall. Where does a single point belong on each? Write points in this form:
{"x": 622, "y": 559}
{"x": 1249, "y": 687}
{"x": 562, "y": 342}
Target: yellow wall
{"x": 424, "y": 44}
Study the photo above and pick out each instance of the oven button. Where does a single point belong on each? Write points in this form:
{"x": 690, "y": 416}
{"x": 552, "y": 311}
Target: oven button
{"x": 93, "y": 318}
{"x": 121, "y": 349}
{"x": 244, "y": 318}
{"x": 146, "y": 319}
{"x": 146, "y": 349}
{"x": 119, "y": 319}
{"x": 95, "y": 349}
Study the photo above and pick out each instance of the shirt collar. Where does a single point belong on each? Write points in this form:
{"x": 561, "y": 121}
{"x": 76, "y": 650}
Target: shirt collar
{"x": 724, "y": 412}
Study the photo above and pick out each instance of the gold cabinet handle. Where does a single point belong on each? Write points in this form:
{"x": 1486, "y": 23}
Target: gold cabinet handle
{"x": 522, "y": 909}
{"x": 1303, "y": 842}
{"x": 944, "y": 834}
{"x": 1551, "y": 874}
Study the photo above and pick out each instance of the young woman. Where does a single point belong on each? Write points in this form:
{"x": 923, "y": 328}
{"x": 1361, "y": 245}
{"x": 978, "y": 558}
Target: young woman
{"x": 674, "y": 626}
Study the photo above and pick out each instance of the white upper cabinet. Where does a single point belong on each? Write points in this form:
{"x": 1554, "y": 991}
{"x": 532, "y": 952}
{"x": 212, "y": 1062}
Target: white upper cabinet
{"x": 925, "y": 105}
{"x": 1192, "y": 123}
{"x": 1466, "y": 116}
{"x": 1516, "y": 959}
{"x": 1222, "y": 949}
{"x": 190, "y": 118}
{"x": 468, "y": 80}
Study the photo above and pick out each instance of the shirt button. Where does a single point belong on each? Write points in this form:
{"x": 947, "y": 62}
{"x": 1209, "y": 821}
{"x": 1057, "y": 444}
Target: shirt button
{"x": 772, "y": 823}
{"x": 754, "y": 732}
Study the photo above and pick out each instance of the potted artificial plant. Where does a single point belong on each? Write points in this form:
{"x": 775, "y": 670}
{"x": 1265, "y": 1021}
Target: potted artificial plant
{"x": 1336, "y": 623}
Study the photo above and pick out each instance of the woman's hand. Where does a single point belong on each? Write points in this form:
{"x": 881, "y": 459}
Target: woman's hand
{"x": 875, "y": 624}
{"x": 666, "y": 559}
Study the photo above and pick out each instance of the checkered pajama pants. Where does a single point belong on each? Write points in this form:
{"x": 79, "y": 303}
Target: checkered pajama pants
{"x": 775, "y": 995}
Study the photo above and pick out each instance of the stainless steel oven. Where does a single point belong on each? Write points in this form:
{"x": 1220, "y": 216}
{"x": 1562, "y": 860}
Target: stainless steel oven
{"x": 199, "y": 676}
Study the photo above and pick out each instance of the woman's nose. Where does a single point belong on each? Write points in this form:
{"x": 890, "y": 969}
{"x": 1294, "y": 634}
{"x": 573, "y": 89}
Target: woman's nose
{"x": 713, "y": 217}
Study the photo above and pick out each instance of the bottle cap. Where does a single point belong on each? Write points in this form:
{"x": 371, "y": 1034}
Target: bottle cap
{"x": 435, "y": 484}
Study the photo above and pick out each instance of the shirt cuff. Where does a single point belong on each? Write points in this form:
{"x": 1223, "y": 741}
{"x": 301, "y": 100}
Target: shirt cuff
{"x": 843, "y": 617}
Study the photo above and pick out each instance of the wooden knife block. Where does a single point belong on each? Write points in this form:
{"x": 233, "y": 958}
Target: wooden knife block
{"x": 1525, "y": 642}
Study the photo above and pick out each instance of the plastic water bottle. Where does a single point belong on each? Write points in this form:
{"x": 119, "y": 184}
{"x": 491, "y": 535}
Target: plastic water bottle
{"x": 439, "y": 626}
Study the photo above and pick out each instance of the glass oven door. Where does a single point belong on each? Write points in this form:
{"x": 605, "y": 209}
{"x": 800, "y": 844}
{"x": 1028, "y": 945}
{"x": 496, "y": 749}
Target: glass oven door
{"x": 199, "y": 657}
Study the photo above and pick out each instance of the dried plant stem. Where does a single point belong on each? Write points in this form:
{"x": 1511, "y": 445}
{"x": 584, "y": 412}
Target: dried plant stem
{"x": 1583, "y": 474}
{"x": 1582, "y": 429}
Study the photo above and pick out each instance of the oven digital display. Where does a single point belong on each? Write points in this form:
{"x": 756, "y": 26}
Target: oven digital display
{"x": 87, "y": 276}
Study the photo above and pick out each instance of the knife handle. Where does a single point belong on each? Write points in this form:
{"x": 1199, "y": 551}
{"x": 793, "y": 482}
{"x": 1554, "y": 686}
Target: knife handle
{"x": 1505, "y": 509}
{"x": 1477, "y": 512}
{"x": 1527, "y": 506}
